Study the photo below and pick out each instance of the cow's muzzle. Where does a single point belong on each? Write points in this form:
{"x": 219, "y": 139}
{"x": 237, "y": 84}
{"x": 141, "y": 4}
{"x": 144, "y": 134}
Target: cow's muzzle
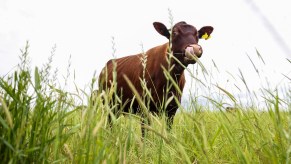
{"x": 192, "y": 52}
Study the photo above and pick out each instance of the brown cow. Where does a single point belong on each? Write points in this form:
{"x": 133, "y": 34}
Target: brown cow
{"x": 184, "y": 38}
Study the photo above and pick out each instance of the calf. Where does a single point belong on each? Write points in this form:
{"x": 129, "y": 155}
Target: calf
{"x": 183, "y": 43}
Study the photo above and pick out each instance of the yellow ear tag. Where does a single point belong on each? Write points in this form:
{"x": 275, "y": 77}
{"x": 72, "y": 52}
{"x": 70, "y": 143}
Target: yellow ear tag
{"x": 205, "y": 36}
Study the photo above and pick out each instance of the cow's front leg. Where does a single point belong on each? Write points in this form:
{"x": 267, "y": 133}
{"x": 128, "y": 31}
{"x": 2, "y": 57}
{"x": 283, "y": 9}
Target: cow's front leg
{"x": 170, "y": 113}
{"x": 144, "y": 122}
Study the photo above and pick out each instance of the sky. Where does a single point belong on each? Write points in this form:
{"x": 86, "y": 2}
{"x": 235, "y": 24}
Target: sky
{"x": 86, "y": 31}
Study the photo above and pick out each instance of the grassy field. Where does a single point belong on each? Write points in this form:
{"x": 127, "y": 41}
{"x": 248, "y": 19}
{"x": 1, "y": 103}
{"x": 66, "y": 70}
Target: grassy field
{"x": 42, "y": 123}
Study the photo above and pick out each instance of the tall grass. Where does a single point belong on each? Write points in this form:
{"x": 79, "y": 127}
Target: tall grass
{"x": 41, "y": 122}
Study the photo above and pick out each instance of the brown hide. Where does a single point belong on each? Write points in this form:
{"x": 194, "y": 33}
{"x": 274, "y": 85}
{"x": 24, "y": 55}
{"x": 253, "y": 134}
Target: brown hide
{"x": 131, "y": 66}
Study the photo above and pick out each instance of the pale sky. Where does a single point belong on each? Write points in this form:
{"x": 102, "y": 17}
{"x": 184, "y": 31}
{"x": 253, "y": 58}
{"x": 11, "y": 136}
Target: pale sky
{"x": 84, "y": 30}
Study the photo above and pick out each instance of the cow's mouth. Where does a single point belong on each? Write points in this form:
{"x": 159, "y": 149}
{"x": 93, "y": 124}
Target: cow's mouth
{"x": 192, "y": 53}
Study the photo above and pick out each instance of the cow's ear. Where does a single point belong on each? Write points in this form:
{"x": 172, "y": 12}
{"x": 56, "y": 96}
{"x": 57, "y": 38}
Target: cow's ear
{"x": 162, "y": 29}
{"x": 205, "y": 32}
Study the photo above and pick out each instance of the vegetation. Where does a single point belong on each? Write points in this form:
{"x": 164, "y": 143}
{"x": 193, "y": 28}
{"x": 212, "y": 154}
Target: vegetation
{"x": 43, "y": 123}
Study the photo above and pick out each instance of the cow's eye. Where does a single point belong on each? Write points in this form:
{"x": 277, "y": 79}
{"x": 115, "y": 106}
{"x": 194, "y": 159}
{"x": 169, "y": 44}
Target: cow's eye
{"x": 196, "y": 36}
{"x": 174, "y": 33}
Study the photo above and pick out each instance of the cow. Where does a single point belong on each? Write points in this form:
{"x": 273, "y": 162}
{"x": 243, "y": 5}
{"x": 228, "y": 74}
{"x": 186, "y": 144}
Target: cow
{"x": 182, "y": 44}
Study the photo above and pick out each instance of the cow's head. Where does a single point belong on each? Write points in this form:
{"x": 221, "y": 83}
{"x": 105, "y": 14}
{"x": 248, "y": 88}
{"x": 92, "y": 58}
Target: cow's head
{"x": 184, "y": 38}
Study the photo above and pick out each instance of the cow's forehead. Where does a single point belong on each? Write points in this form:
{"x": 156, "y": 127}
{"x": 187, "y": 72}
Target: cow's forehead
{"x": 180, "y": 23}
{"x": 184, "y": 26}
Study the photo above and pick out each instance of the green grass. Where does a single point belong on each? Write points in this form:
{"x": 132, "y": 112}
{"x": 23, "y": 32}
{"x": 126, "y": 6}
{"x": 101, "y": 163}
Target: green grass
{"x": 43, "y": 123}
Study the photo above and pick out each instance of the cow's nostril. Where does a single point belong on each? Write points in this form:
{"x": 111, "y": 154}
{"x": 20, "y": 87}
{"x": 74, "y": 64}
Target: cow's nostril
{"x": 197, "y": 49}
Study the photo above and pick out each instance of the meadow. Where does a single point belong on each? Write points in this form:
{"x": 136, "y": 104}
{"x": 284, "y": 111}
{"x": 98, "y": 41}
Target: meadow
{"x": 41, "y": 122}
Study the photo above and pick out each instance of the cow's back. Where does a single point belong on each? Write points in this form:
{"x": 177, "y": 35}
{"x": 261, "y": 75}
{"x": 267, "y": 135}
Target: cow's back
{"x": 129, "y": 66}
{"x": 132, "y": 67}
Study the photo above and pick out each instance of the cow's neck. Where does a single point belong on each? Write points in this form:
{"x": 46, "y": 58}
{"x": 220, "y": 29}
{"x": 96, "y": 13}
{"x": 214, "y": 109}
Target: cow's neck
{"x": 177, "y": 70}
